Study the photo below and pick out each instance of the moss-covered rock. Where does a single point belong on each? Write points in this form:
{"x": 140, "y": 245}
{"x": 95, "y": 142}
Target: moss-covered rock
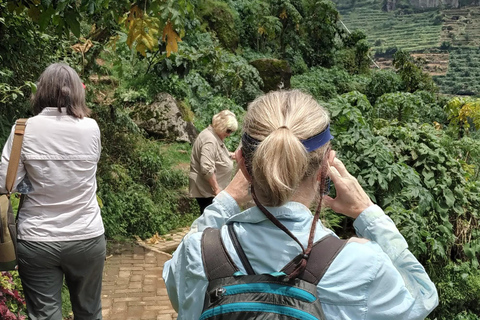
{"x": 163, "y": 119}
{"x": 219, "y": 18}
{"x": 275, "y": 73}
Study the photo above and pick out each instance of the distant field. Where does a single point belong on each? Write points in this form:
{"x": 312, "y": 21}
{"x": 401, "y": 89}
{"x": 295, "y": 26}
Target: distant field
{"x": 412, "y": 32}
{"x": 456, "y": 70}
{"x": 463, "y": 75}
{"x": 461, "y": 27}
{"x": 436, "y": 64}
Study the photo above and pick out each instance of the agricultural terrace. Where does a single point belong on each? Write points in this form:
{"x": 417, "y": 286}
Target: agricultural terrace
{"x": 411, "y": 32}
{"x": 461, "y": 27}
{"x": 463, "y": 75}
{"x": 435, "y": 64}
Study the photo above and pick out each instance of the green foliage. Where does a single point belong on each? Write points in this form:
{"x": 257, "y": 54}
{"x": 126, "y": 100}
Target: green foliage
{"x": 400, "y": 106}
{"x": 463, "y": 74}
{"x": 381, "y": 82}
{"x": 234, "y": 77}
{"x": 324, "y": 83}
{"x": 415, "y": 31}
{"x": 12, "y": 301}
{"x": 320, "y": 25}
{"x": 390, "y": 127}
{"x": 140, "y": 192}
{"x": 467, "y": 150}
{"x": 258, "y": 26}
{"x": 458, "y": 286}
{"x": 354, "y": 57}
{"x": 212, "y": 107}
{"x": 412, "y": 171}
{"x": 464, "y": 113}
{"x": 66, "y": 303}
{"x": 218, "y": 69}
{"x": 432, "y": 110}
{"x": 410, "y": 71}
{"x": 220, "y": 19}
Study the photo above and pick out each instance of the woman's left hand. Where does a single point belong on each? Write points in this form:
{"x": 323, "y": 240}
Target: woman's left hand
{"x": 239, "y": 189}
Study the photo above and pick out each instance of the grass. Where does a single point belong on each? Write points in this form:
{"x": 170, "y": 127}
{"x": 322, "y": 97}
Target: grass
{"x": 176, "y": 153}
{"x": 67, "y": 313}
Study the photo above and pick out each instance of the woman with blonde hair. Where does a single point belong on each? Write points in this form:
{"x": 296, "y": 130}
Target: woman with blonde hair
{"x": 286, "y": 159}
{"x": 211, "y": 163}
{"x": 60, "y": 229}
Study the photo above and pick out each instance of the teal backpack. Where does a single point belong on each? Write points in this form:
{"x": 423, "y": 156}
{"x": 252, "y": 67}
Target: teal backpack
{"x": 233, "y": 295}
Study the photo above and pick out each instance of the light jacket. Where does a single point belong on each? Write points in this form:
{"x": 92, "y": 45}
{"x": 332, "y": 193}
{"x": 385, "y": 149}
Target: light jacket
{"x": 59, "y": 157}
{"x": 375, "y": 280}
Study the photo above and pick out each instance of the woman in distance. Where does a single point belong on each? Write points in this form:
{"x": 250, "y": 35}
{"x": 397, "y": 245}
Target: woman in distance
{"x": 211, "y": 163}
{"x": 60, "y": 229}
{"x": 286, "y": 157}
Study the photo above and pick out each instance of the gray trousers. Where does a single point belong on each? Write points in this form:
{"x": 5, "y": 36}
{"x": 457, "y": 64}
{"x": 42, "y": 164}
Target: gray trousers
{"x": 42, "y": 265}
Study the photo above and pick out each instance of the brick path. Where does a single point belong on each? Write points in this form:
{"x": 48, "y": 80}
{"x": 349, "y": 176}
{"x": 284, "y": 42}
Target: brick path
{"x": 133, "y": 288}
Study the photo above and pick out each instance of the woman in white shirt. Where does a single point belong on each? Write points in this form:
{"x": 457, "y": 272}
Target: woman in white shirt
{"x": 60, "y": 229}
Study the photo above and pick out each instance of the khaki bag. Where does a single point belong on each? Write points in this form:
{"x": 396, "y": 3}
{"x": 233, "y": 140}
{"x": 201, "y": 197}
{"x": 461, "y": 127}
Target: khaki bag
{"x": 8, "y": 223}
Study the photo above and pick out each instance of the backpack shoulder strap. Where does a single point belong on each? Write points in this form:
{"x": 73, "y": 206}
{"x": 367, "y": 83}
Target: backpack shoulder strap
{"x": 322, "y": 255}
{"x": 216, "y": 260}
{"x": 15, "y": 154}
{"x": 238, "y": 247}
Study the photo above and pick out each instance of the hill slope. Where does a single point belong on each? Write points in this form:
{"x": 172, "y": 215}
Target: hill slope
{"x": 447, "y": 39}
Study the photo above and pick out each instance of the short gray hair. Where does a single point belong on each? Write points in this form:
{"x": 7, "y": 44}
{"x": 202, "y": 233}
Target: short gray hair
{"x": 59, "y": 86}
{"x": 225, "y": 120}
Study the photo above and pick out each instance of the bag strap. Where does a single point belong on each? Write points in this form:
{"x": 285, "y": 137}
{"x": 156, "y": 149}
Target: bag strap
{"x": 15, "y": 154}
{"x": 238, "y": 247}
{"x": 216, "y": 260}
{"x": 322, "y": 255}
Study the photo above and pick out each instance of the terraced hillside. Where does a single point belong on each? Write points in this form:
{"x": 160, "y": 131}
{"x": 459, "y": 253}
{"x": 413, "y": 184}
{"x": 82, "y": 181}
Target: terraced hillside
{"x": 463, "y": 75}
{"x": 412, "y": 32}
{"x": 455, "y": 31}
{"x": 435, "y": 64}
{"x": 461, "y": 27}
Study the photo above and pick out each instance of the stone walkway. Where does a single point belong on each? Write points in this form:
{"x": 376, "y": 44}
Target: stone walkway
{"x": 133, "y": 288}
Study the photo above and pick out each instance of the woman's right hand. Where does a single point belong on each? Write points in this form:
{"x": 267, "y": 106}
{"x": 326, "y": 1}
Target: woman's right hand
{"x": 351, "y": 199}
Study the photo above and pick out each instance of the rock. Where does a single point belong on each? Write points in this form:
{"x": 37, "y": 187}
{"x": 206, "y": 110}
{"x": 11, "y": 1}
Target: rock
{"x": 163, "y": 119}
{"x": 275, "y": 73}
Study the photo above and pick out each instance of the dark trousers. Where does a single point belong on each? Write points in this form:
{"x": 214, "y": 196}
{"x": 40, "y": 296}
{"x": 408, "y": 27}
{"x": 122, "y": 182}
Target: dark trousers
{"x": 42, "y": 266}
{"x": 203, "y": 203}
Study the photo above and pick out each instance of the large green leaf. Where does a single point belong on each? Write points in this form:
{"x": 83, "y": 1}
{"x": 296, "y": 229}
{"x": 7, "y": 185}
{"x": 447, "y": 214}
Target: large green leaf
{"x": 449, "y": 197}
{"x": 45, "y": 17}
{"x": 72, "y": 22}
{"x": 46, "y": 3}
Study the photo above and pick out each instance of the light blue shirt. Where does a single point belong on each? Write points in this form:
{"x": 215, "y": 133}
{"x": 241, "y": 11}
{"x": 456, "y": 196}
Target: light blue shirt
{"x": 378, "y": 279}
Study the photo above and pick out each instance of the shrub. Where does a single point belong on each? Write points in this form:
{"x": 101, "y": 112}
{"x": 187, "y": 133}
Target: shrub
{"x": 458, "y": 286}
{"x": 221, "y": 20}
{"x": 400, "y": 106}
{"x": 140, "y": 192}
{"x": 215, "y": 105}
{"x": 12, "y": 302}
{"x": 382, "y": 82}
{"x": 324, "y": 83}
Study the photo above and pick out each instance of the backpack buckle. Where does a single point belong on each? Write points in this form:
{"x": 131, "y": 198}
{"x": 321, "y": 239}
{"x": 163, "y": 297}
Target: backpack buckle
{"x": 217, "y": 294}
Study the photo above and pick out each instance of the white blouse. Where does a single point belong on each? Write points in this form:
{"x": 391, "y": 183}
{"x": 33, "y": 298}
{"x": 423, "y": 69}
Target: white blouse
{"x": 59, "y": 157}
